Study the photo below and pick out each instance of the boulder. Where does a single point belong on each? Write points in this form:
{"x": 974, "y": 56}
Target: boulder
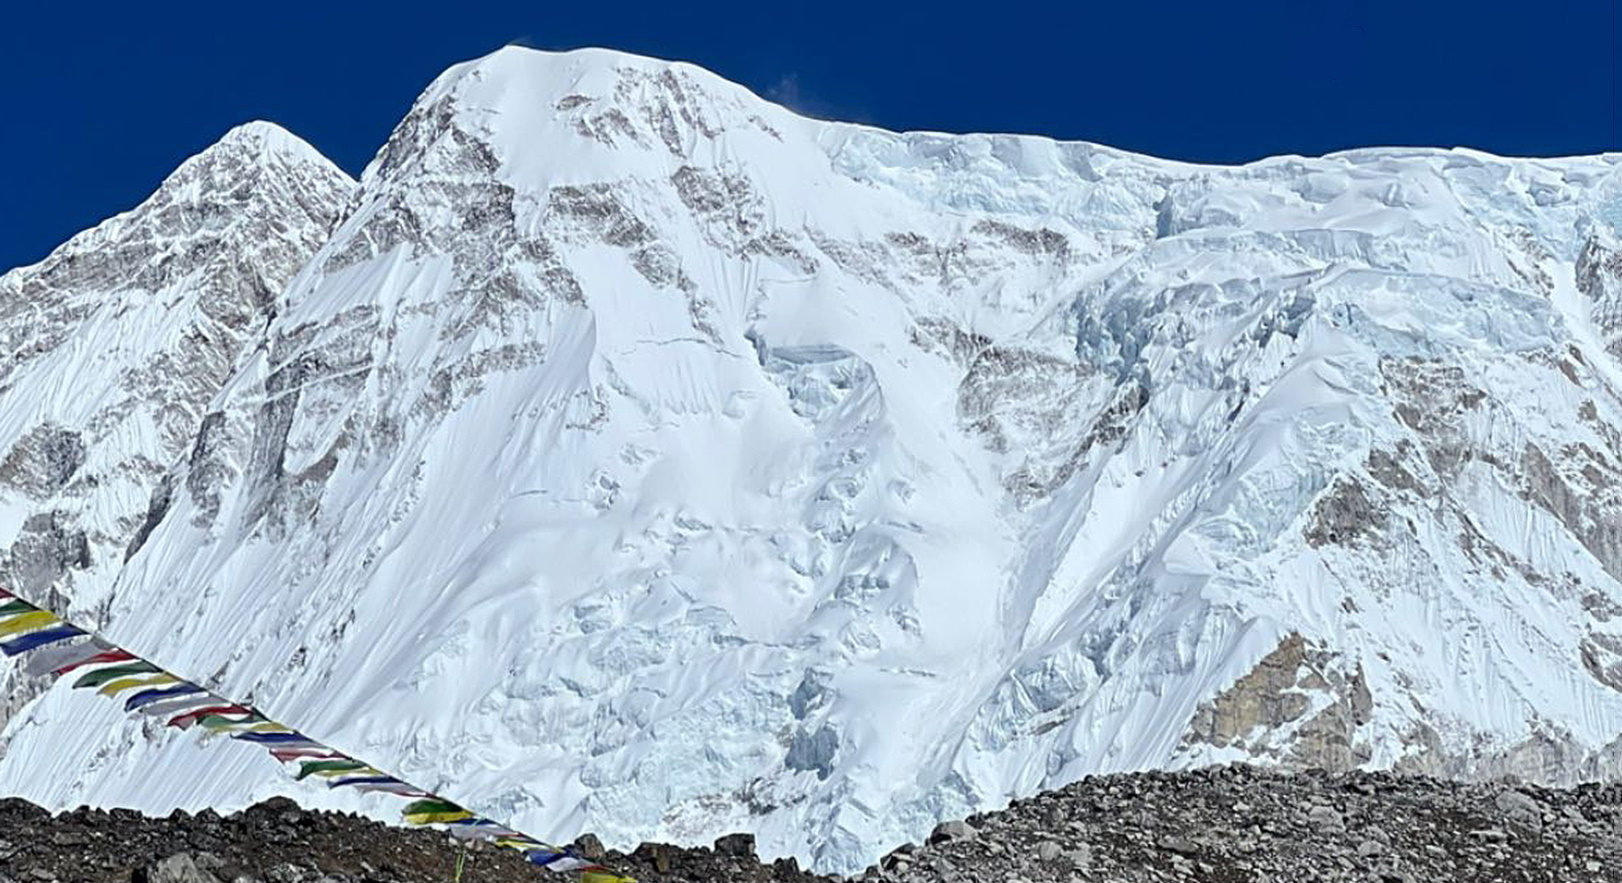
{"x": 181, "y": 868}
{"x": 947, "y": 832}
{"x": 736, "y": 845}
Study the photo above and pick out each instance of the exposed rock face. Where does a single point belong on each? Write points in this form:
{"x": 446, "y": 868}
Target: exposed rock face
{"x": 1344, "y": 515}
{"x": 634, "y": 455}
{"x": 1297, "y": 706}
{"x": 1599, "y": 278}
{"x": 43, "y": 461}
{"x": 1584, "y": 492}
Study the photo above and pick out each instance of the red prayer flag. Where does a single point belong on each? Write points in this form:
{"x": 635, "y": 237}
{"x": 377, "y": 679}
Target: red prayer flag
{"x": 114, "y": 655}
{"x": 286, "y": 755}
{"x": 182, "y": 721}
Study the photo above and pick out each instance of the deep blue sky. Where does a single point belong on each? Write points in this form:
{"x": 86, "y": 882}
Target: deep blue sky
{"x": 101, "y": 100}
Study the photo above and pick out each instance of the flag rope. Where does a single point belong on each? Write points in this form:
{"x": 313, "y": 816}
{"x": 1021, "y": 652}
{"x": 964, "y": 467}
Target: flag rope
{"x": 56, "y": 647}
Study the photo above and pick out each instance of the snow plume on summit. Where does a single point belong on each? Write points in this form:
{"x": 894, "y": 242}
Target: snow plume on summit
{"x": 626, "y": 453}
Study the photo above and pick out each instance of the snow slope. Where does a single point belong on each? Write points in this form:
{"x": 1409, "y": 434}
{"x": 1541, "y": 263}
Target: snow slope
{"x": 636, "y": 456}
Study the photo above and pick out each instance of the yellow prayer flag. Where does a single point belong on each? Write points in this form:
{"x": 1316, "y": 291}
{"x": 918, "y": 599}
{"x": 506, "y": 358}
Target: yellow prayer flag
{"x": 119, "y": 685}
{"x": 27, "y": 622}
{"x": 216, "y": 723}
{"x": 437, "y": 818}
{"x": 604, "y": 877}
{"x": 338, "y": 774}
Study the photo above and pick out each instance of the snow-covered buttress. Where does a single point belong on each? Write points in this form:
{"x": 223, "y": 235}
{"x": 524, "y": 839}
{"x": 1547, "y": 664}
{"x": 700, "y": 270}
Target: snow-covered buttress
{"x": 626, "y": 453}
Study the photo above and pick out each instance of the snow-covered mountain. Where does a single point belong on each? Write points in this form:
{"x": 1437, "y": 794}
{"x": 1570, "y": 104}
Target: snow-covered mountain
{"x": 626, "y": 453}
{"x": 112, "y": 348}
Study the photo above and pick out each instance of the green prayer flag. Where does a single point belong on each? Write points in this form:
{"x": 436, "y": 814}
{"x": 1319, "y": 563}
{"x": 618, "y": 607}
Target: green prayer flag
{"x": 311, "y": 767}
{"x": 103, "y": 675}
{"x": 12, "y": 608}
{"x": 431, "y": 805}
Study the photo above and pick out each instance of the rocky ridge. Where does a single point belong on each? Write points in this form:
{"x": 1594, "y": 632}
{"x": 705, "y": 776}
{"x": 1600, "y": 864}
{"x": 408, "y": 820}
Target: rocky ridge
{"x": 1215, "y": 825}
{"x": 1242, "y": 824}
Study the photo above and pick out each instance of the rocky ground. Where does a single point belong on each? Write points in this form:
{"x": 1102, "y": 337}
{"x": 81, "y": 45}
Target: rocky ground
{"x": 278, "y": 842}
{"x": 1244, "y": 825}
{"x": 1222, "y": 825}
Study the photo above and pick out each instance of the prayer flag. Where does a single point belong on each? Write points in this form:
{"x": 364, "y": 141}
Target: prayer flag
{"x": 278, "y": 739}
{"x": 560, "y": 861}
{"x": 484, "y": 829}
{"x": 310, "y": 768}
{"x": 219, "y": 723}
{"x": 112, "y": 673}
{"x": 27, "y": 622}
{"x": 288, "y": 755}
{"x": 185, "y": 721}
{"x": 350, "y": 781}
{"x": 109, "y": 654}
{"x": 434, "y": 811}
{"x": 147, "y": 697}
{"x": 119, "y": 685}
{"x": 166, "y": 707}
{"x": 36, "y": 640}
{"x": 399, "y": 789}
{"x": 523, "y": 843}
{"x": 47, "y": 660}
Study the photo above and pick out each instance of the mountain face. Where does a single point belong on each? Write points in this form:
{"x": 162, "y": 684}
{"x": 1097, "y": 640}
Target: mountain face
{"x": 626, "y": 453}
{"x": 112, "y": 348}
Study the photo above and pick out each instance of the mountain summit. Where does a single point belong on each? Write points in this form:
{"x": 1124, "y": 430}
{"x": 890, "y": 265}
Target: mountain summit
{"x": 626, "y": 453}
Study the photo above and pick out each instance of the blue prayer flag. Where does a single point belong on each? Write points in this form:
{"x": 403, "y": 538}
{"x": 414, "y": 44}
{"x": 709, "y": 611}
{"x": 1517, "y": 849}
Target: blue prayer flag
{"x": 147, "y": 697}
{"x": 362, "y": 780}
{"x": 41, "y": 638}
{"x": 278, "y": 739}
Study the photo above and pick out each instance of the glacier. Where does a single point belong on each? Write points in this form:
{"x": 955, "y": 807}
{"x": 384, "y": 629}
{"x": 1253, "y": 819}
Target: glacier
{"x": 623, "y": 452}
